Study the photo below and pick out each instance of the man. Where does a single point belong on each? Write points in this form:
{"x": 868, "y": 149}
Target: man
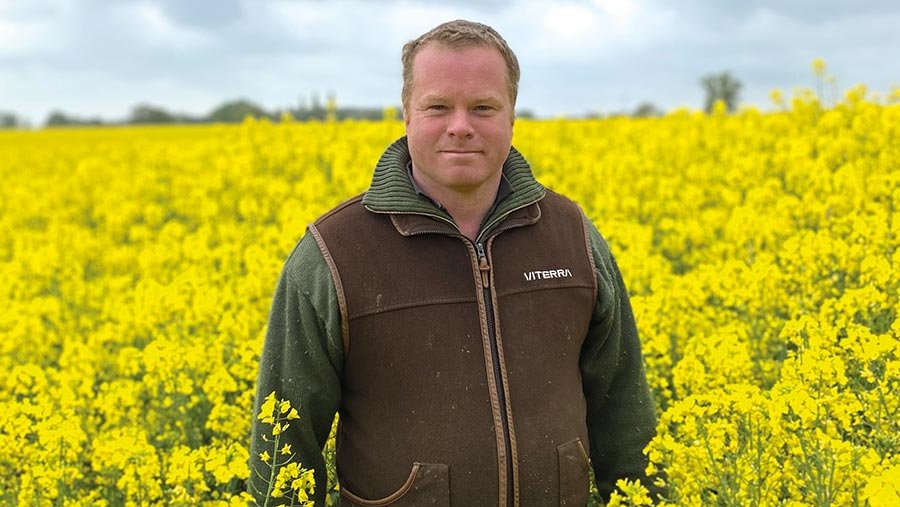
{"x": 471, "y": 327}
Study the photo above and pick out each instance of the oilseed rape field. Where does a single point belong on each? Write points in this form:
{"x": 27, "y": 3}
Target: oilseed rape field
{"x": 760, "y": 250}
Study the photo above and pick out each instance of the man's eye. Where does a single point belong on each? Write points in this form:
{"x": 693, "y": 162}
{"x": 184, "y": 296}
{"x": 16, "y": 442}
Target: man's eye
{"x": 484, "y": 107}
{"x": 437, "y": 107}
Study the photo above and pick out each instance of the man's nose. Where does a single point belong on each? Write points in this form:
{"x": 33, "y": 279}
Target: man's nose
{"x": 460, "y": 124}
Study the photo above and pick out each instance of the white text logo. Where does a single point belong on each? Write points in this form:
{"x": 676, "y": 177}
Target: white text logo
{"x": 551, "y": 273}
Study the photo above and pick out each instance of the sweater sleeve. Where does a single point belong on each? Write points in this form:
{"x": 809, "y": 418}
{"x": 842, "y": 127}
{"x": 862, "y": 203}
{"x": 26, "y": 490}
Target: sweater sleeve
{"x": 302, "y": 361}
{"x": 621, "y": 414}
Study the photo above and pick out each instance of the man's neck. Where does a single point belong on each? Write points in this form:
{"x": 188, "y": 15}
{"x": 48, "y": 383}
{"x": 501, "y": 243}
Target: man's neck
{"x": 468, "y": 207}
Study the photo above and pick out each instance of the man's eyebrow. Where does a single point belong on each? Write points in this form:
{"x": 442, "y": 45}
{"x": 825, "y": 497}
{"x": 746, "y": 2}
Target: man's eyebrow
{"x": 432, "y": 97}
{"x": 489, "y": 98}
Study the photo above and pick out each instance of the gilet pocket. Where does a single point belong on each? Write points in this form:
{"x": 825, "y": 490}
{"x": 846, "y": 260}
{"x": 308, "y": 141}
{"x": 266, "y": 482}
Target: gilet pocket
{"x": 427, "y": 484}
{"x": 574, "y": 479}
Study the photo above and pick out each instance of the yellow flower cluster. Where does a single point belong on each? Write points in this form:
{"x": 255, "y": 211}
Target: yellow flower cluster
{"x": 138, "y": 266}
{"x": 286, "y": 479}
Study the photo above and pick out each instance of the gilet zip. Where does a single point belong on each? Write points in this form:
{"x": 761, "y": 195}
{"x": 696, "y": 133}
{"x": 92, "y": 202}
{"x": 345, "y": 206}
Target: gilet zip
{"x": 485, "y": 268}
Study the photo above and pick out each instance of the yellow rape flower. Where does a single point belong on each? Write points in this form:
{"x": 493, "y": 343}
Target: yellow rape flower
{"x": 818, "y": 66}
{"x": 267, "y": 409}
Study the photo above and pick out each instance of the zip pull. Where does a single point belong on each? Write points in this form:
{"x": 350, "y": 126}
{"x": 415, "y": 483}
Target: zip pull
{"x": 483, "y": 265}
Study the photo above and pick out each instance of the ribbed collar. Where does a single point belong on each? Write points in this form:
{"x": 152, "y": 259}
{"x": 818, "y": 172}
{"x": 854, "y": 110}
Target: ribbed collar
{"x": 502, "y": 192}
{"x": 392, "y": 192}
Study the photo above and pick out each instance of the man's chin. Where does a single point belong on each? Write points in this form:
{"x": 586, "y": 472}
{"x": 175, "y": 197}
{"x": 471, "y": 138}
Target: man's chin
{"x": 465, "y": 184}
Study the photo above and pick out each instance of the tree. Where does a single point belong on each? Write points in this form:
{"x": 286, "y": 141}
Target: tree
{"x": 525, "y": 113}
{"x": 235, "y": 112}
{"x": 722, "y": 86}
{"x": 8, "y": 120}
{"x": 146, "y": 113}
{"x": 58, "y": 118}
{"x": 646, "y": 110}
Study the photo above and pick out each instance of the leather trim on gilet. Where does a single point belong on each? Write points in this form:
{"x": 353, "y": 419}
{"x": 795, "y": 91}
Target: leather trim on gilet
{"x": 418, "y": 416}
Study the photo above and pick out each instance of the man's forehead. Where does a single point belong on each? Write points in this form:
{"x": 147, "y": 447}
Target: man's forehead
{"x": 460, "y": 47}
{"x": 435, "y": 58}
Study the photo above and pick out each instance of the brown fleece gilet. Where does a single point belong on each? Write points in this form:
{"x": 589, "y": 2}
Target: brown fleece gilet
{"x": 420, "y": 416}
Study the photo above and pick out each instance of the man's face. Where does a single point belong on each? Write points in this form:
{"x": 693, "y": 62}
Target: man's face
{"x": 459, "y": 118}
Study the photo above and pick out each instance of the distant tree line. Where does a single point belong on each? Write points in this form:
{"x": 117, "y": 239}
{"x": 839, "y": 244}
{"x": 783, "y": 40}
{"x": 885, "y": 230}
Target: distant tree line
{"x": 722, "y": 86}
{"x": 233, "y": 111}
{"x": 9, "y": 120}
{"x": 229, "y": 112}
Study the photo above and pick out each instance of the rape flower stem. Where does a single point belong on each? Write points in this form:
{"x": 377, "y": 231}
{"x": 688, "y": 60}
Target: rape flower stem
{"x": 60, "y": 484}
{"x": 272, "y": 466}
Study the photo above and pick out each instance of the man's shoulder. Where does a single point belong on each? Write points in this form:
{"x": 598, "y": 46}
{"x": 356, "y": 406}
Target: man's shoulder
{"x": 557, "y": 202}
{"x": 307, "y": 253}
{"x": 554, "y": 198}
{"x": 348, "y": 223}
{"x": 598, "y": 244}
{"x": 342, "y": 211}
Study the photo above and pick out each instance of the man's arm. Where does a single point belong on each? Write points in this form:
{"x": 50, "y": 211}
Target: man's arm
{"x": 302, "y": 362}
{"x": 621, "y": 414}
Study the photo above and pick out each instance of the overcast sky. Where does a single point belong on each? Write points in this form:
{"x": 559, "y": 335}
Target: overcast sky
{"x": 101, "y": 57}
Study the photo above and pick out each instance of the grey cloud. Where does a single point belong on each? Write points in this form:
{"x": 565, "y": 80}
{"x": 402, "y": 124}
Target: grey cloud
{"x": 204, "y": 13}
{"x": 486, "y": 6}
{"x": 805, "y": 11}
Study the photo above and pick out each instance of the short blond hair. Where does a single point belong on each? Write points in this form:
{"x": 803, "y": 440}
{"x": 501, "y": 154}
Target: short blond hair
{"x": 460, "y": 34}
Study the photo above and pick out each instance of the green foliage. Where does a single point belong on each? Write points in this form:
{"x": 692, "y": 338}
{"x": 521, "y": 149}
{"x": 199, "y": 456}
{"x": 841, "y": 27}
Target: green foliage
{"x": 722, "y": 86}
{"x": 235, "y": 111}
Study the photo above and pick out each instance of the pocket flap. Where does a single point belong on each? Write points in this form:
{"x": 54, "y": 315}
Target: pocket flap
{"x": 427, "y": 484}
{"x": 574, "y": 476}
